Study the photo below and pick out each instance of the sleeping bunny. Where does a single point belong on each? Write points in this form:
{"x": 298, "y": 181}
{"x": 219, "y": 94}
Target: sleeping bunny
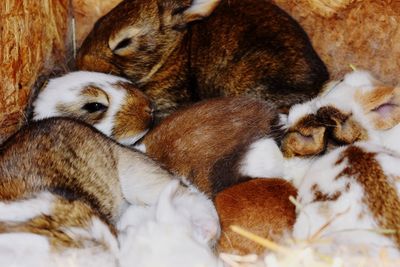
{"x": 213, "y": 139}
{"x": 178, "y": 52}
{"x": 351, "y": 194}
{"x": 66, "y": 183}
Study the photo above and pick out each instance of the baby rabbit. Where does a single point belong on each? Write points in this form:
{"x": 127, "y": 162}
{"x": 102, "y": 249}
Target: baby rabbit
{"x": 260, "y": 206}
{"x": 218, "y": 142}
{"x": 162, "y": 235}
{"x": 213, "y": 147}
{"x": 65, "y": 181}
{"x": 352, "y": 193}
{"x": 181, "y": 51}
{"x": 110, "y": 103}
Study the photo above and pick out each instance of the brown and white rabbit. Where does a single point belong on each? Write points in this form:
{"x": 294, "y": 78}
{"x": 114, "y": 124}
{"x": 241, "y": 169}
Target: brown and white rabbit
{"x": 111, "y": 104}
{"x": 215, "y": 143}
{"x": 261, "y": 206}
{"x": 181, "y": 51}
{"x": 351, "y": 194}
{"x": 65, "y": 181}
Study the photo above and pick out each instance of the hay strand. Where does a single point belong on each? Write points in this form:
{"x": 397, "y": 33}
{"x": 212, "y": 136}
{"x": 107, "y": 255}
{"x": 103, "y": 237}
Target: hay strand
{"x": 33, "y": 37}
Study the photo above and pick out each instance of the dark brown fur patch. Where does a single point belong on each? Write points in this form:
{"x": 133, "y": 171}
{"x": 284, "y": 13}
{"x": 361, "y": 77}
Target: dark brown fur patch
{"x": 380, "y": 196}
{"x": 319, "y": 196}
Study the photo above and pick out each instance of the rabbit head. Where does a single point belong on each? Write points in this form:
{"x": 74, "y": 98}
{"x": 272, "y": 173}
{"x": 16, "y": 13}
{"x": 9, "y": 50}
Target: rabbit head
{"x": 109, "y": 103}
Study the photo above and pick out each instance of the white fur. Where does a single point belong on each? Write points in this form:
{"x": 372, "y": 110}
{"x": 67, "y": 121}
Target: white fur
{"x": 339, "y": 220}
{"x": 97, "y": 233}
{"x": 23, "y": 210}
{"x": 66, "y": 90}
{"x": 133, "y": 139}
{"x": 140, "y": 147}
{"x": 202, "y": 8}
{"x": 263, "y": 159}
{"x": 162, "y": 235}
{"x": 31, "y": 250}
{"x": 294, "y": 169}
{"x": 298, "y": 111}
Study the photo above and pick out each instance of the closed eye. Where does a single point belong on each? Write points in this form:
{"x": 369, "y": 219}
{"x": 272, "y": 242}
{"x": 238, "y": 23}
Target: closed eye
{"x": 94, "y": 107}
{"x": 124, "y": 43}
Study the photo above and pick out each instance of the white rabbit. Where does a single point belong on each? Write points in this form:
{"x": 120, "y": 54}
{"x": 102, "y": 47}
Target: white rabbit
{"x": 111, "y": 104}
{"x": 163, "y": 235}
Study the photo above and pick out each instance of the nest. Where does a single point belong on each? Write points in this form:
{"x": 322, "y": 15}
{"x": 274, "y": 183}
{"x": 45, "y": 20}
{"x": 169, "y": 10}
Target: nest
{"x": 305, "y": 253}
{"x": 364, "y": 33}
{"x": 33, "y": 35}
{"x": 36, "y": 40}
{"x": 328, "y": 8}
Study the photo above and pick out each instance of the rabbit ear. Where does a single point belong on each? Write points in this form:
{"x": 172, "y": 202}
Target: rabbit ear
{"x": 306, "y": 138}
{"x": 381, "y": 106}
{"x": 198, "y": 9}
{"x": 345, "y": 128}
{"x": 165, "y": 209}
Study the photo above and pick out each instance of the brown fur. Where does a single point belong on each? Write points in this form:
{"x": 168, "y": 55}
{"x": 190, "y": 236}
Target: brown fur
{"x": 261, "y": 206}
{"x": 319, "y": 196}
{"x": 381, "y": 196}
{"x": 205, "y": 142}
{"x": 343, "y": 127}
{"x": 243, "y": 48}
{"x": 364, "y": 33}
{"x": 90, "y": 94}
{"x": 134, "y": 116}
{"x": 82, "y": 168}
{"x": 307, "y": 137}
{"x": 66, "y": 214}
{"x": 58, "y": 158}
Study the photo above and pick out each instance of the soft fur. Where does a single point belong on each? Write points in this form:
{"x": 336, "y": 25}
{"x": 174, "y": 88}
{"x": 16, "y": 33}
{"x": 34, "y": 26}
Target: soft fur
{"x": 363, "y": 33}
{"x": 261, "y": 206}
{"x": 181, "y": 51}
{"x": 79, "y": 182}
{"x": 122, "y": 112}
{"x": 163, "y": 235}
{"x": 218, "y": 142}
{"x": 352, "y": 193}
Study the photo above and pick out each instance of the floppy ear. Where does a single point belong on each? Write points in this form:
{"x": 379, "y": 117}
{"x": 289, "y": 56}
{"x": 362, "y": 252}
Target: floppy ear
{"x": 344, "y": 128}
{"x": 381, "y": 105}
{"x": 197, "y": 10}
{"x": 306, "y": 138}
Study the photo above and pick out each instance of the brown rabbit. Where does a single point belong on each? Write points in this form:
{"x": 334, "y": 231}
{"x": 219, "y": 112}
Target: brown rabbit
{"x": 182, "y": 51}
{"x": 217, "y": 147}
{"x": 261, "y": 206}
